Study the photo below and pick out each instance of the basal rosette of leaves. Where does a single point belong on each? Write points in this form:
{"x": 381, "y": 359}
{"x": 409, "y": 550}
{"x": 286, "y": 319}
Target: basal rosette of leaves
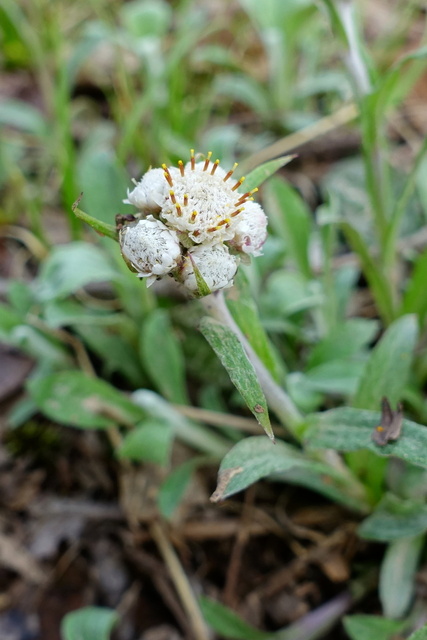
{"x": 194, "y": 224}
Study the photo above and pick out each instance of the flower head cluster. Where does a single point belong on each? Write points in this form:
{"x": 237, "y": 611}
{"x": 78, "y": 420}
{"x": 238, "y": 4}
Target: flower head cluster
{"x": 193, "y": 220}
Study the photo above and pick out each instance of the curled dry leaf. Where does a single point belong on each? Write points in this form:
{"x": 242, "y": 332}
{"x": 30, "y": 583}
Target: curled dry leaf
{"x": 224, "y": 478}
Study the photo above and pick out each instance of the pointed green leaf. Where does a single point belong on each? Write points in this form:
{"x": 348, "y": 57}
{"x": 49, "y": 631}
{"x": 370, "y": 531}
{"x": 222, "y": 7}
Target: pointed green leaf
{"x": 228, "y": 624}
{"x": 254, "y": 458}
{"x": 242, "y": 374}
{"x": 291, "y": 219}
{"x": 388, "y": 367}
{"x": 259, "y": 175}
{"x": 202, "y": 287}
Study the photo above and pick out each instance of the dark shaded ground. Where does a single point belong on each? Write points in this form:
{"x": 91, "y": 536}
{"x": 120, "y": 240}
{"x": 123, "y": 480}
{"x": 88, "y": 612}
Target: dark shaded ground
{"x": 76, "y": 530}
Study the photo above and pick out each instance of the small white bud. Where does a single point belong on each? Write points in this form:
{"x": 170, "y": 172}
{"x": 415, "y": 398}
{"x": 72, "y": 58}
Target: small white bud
{"x": 150, "y": 248}
{"x": 217, "y": 267}
{"x": 150, "y": 192}
{"x": 250, "y": 231}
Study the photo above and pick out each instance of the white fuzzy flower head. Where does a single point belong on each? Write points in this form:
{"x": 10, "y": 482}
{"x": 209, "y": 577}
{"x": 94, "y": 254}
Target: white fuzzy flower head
{"x": 206, "y": 215}
{"x": 150, "y": 248}
{"x": 250, "y": 232}
{"x": 216, "y": 265}
{"x": 150, "y": 192}
{"x": 203, "y": 200}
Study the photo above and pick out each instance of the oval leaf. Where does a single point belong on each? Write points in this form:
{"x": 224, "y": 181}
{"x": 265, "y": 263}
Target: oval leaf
{"x": 71, "y": 267}
{"x": 242, "y": 374}
{"x": 162, "y": 357}
{"x": 397, "y": 576}
{"x": 89, "y": 623}
{"x": 74, "y": 399}
{"x": 394, "y": 519}
{"x": 348, "y": 429}
{"x": 361, "y": 627}
{"x": 150, "y": 441}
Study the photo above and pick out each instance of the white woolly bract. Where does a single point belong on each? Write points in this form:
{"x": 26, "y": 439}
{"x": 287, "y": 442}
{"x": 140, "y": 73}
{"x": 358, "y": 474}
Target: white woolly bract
{"x": 150, "y": 192}
{"x": 216, "y": 266}
{"x": 250, "y": 231}
{"x": 150, "y": 247}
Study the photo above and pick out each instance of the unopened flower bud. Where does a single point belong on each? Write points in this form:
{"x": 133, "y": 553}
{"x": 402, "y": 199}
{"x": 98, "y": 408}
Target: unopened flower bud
{"x": 250, "y": 231}
{"x": 150, "y": 248}
{"x": 215, "y": 264}
{"x": 150, "y": 192}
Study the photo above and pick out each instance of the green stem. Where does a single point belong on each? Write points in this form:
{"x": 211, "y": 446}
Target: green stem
{"x": 390, "y": 253}
{"x": 100, "y": 227}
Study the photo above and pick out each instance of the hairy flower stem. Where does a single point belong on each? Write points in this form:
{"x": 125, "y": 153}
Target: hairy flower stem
{"x": 277, "y": 398}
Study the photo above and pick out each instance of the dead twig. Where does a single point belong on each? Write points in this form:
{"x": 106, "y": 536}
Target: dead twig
{"x": 181, "y": 582}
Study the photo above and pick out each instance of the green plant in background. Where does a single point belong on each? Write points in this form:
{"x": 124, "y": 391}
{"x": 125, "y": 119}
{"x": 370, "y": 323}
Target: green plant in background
{"x": 283, "y": 333}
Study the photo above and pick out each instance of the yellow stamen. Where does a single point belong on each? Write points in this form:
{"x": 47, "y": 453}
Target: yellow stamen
{"x": 192, "y": 159}
{"x": 236, "y": 213}
{"x": 208, "y": 157}
{"x": 238, "y": 183}
{"x": 178, "y": 209}
{"x": 181, "y": 167}
{"x": 167, "y": 175}
{"x": 223, "y": 222}
{"x": 172, "y": 196}
{"x": 230, "y": 173}
{"x": 212, "y": 229}
{"x": 246, "y": 196}
{"x": 185, "y": 199}
{"x": 215, "y": 166}
{"x": 193, "y": 216}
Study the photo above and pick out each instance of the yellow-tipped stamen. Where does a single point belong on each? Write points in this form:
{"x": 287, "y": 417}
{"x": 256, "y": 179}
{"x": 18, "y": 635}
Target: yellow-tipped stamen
{"x": 178, "y": 209}
{"x": 215, "y": 166}
{"x": 167, "y": 175}
{"x": 212, "y": 229}
{"x": 208, "y": 157}
{"x": 236, "y": 213}
{"x": 230, "y": 173}
{"x": 246, "y": 196}
{"x": 223, "y": 222}
{"x": 181, "y": 167}
{"x": 193, "y": 216}
{"x": 172, "y": 196}
{"x": 238, "y": 183}
{"x": 185, "y": 199}
{"x": 192, "y": 159}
